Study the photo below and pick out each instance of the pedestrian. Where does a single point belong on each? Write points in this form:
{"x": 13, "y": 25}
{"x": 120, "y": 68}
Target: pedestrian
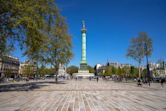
{"x": 162, "y": 82}
{"x": 90, "y": 78}
{"x": 139, "y": 82}
{"x": 27, "y": 79}
{"x": 149, "y": 83}
{"x": 97, "y": 78}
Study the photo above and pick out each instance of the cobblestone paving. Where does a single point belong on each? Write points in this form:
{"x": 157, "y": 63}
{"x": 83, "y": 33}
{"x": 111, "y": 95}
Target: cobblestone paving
{"x": 85, "y": 95}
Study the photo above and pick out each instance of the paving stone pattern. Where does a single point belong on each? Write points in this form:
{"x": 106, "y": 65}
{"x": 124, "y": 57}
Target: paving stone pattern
{"x": 85, "y": 95}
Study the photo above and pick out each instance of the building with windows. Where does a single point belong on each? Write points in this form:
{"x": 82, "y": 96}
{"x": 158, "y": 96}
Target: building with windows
{"x": 61, "y": 70}
{"x": 102, "y": 68}
{"x": 116, "y": 64}
{"x": 27, "y": 68}
{"x": 158, "y": 69}
{"x": 9, "y": 66}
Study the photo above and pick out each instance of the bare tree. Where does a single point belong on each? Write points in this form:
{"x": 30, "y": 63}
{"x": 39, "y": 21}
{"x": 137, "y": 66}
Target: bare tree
{"x": 139, "y": 48}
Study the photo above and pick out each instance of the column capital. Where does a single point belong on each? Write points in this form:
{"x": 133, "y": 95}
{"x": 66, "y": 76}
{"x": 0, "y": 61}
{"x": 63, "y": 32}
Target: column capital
{"x": 83, "y": 30}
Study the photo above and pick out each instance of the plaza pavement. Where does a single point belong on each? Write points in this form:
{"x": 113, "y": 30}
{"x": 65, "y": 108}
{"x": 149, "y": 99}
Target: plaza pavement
{"x": 81, "y": 95}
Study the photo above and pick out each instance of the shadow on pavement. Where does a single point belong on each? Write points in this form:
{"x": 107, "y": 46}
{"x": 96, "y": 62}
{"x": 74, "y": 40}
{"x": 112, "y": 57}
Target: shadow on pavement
{"x": 29, "y": 86}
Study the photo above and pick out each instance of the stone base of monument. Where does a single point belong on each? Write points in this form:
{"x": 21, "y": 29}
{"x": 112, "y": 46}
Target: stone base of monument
{"x": 83, "y": 74}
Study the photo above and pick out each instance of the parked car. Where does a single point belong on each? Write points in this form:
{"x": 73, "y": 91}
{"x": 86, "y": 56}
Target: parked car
{"x": 157, "y": 79}
{"x": 31, "y": 78}
{"x": 48, "y": 76}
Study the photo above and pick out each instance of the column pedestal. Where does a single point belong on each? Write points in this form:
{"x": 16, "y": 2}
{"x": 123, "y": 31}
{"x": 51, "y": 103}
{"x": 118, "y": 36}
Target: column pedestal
{"x": 83, "y": 66}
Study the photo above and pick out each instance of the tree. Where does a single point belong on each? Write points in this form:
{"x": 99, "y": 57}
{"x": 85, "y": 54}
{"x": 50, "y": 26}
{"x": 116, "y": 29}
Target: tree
{"x": 72, "y": 69}
{"x": 45, "y": 71}
{"x": 114, "y": 70}
{"x": 133, "y": 71}
{"x": 137, "y": 50}
{"x": 59, "y": 45}
{"x": 144, "y": 72}
{"x": 42, "y": 70}
{"x": 119, "y": 71}
{"x": 26, "y": 21}
{"x": 91, "y": 69}
{"x": 39, "y": 28}
{"x": 108, "y": 71}
{"x": 126, "y": 71}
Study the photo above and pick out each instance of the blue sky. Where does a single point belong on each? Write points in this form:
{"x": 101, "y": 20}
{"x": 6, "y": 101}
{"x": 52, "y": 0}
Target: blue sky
{"x": 110, "y": 26}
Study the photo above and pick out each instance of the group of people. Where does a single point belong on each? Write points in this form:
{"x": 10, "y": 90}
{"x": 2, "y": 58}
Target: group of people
{"x": 139, "y": 82}
{"x": 90, "y": 78}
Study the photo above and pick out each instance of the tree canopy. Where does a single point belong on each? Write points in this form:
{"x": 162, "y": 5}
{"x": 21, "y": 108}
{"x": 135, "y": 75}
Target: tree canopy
{"x": 39, "y": 28}
{"x": 25, "y": 21}
{"x": 72, "y": 69}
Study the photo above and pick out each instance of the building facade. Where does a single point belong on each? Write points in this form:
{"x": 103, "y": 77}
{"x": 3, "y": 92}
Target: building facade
{"x": 116, "y": 64}
{"x": 27, "y": 69}
{"x": 158, "y": 69}
{"x": 102, "y": 68}
{"x": 61, "y": 70}
{"x": 9, "y": 66}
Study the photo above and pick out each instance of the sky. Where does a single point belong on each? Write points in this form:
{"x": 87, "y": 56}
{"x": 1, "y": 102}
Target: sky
{"x": 110, "y": 26}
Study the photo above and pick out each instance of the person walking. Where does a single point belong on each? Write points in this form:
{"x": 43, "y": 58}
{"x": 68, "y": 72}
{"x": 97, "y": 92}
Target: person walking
{"x": 97, "y": 78}
{"x": 139, "y": 82}
{"x": 162, "y": 82}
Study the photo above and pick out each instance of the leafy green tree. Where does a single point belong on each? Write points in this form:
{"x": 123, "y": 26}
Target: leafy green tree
{"x": 144, "y": 72}
{"x": 108, "y": 71}
{"x": 119, "y": 71}
{"x": 133, "y": 71}
{"x": 126, "y": 71}
{"x": 42, "y": 70}
{"x": 114, "y": 70}
{"x": 59, "y": 45}
{"x": 38, "y": 27}
{"x": 91, "y": 69}
{"x": 72, "y": 69}
{"x": 28, "y": 22}
{"x": 137, "y": 50}
{"x": 45, "y": 71}
{"x": 123, "y": 72}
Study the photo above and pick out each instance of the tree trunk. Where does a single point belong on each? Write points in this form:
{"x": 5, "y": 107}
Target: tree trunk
{"x": 56, "y": 78}
{"x": 56, "y": 73}
{"x": 139, "y": 71}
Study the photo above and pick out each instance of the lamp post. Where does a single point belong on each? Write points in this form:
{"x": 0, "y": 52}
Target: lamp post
{"x": 147, "y": 66}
